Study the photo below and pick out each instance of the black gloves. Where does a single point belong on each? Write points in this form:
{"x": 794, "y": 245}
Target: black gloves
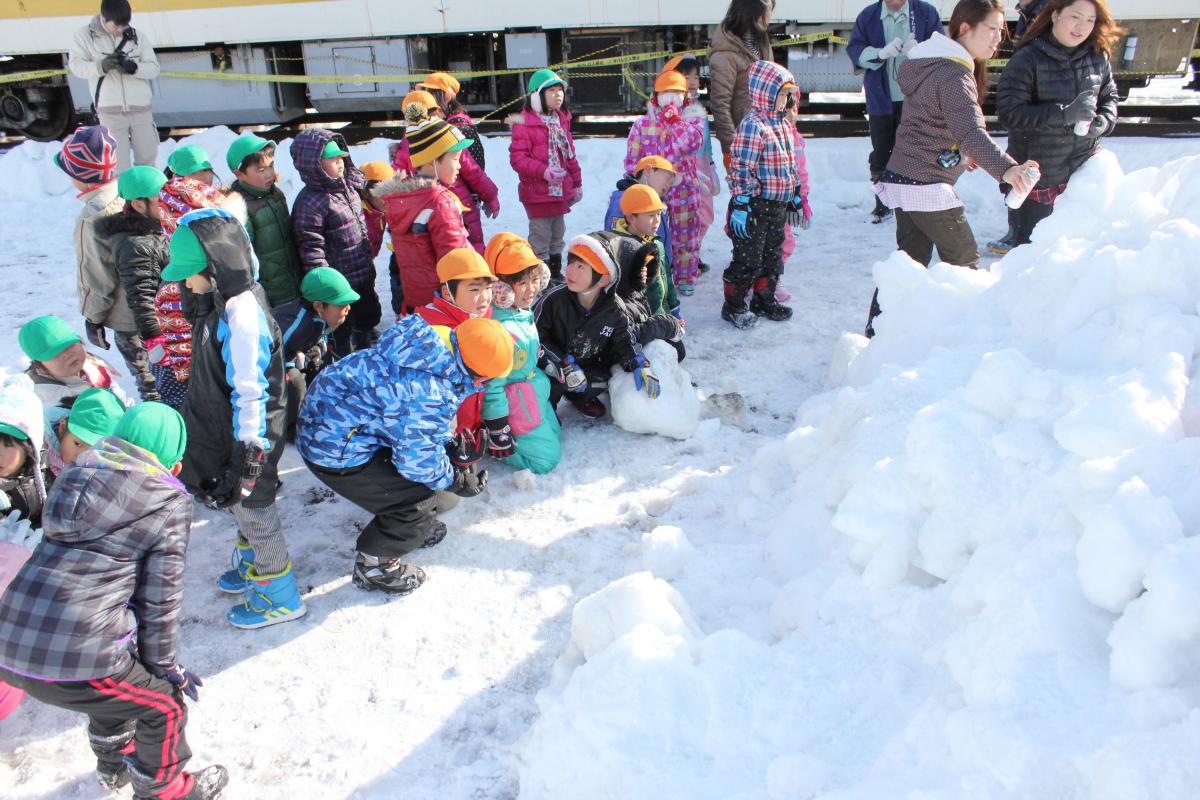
{"x": 500, "y": 438}
{"x": 467, "y": 483}
{"x": 127, "y": 65}
{"x": 245, "y": 467}
{"x": 96, "y": 334}
{"x": 466, "y": 448}
{"x": 1081, "y": 109}
{"x": 110, "y": 62}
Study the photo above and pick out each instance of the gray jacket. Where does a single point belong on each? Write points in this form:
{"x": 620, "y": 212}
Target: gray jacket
{"x": 119, "y": 91}
{"x": 101, "y": 295}
{"x": 107, "y": 574}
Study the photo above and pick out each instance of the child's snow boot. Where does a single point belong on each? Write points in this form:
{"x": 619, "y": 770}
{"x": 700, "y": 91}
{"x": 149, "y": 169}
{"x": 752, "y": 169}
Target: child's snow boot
{"x": 554, "y": 262}
{"x": 207, "y": 784}
{"x": 269, "y": 600}
{"x": 734, "y": 310}
{"x": 386, "y": 575}
{"x": 764, "y": 303}
{"x": 233, "y": 580}
{"x": 592, "y": 408}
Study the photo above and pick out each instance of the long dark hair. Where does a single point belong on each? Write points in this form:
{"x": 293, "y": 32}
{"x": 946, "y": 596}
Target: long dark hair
{"x": 1102, "y": 39}
{"x": 744, "y": 18}
{"x": 973, "y": 13}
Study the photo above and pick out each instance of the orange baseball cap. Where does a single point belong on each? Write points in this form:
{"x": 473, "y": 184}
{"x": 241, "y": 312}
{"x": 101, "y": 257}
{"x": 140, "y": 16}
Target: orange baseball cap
{"x": 442, "y": 81}
{"x": 485, "y": 346}
{"x": 462, "y": 264}
{"x": 509, "y": 254}
{"x": 670, "y": 81}
{"x": 677, "y": 61}
{"x": 640, "y": 199}
{"x": 589, "y": 257}
{"x": 654, "y": 162}
{"x": 378, "y": 171}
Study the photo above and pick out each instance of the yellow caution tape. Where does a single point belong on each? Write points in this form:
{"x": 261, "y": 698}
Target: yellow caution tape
{"x": 31, "y": 75}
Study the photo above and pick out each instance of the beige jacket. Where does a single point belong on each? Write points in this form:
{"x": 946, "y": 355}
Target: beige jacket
{"x": 119, "y": 91}
{"x": 729, "y": 63}
{"x": 101, "y": 295}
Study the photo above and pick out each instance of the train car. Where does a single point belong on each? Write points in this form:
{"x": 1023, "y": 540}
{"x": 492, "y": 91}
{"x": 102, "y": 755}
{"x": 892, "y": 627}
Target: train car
{"x": 243, "y": 62}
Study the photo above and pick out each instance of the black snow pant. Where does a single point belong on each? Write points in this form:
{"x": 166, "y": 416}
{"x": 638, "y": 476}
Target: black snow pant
{"x": 405, "y": 511}
{"x": 883, "y": 139}
{"x": 130, "y": 714}
{"x": 661, "y": 326}
{"x": 758, "y": 258}
{"x": 918, "y": 232}
{"x": 365, "y": 314}
{"x": 130, "y": 346}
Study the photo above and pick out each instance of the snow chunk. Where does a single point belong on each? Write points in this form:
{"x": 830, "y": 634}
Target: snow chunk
{"x": 674, "y": 413}
{"x": 665, "y": 551}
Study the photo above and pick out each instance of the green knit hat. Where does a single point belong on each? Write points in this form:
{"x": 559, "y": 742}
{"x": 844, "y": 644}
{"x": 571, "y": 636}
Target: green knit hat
{"x": 245, "y": 145}
{"x": 42, "y": 338}
{"x": 157, "y": 428}
{"x": 187, "y": 256}
{"x": 94, "y": 414}
{"x": 333, "y": 150}
{"x": 188, "y": 160}
{"x": 140, "y": 182}
{"x": 544, "y": 79}
{"x": 327, "y": 285}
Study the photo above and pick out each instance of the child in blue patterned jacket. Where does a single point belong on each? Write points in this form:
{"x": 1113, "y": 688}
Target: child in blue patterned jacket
{"x": 376, "y": 428}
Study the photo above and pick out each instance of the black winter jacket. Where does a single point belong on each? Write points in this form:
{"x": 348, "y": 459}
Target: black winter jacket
{"x": 599, "y": 337}
{"x": 1040, "y": 79}
{"x": 236, "y": 386}
{"x": 140, "y": 252}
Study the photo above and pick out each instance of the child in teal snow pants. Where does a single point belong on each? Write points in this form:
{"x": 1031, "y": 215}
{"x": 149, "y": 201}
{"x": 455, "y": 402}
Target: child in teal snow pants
{"x": 523, "y": 429}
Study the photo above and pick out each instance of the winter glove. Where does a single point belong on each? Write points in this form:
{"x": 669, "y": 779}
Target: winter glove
{"x": 576, "y": 196}
{"x": 740, "y": 221}
{"x": 239, "y": 479}
{"x": 492, "y": 210}
{"x": 96, "y": 334}
{"x": 573, "y": 376}
{"x": 1081, "y": 109}
{"x": 127, "y": 65}
{"x": 466, "y": 448}
{"x": 186, "y": 682}
{"x": 909, "y": 44}
{"x": 644, "y": 380}
{"x": 671, "y": 115}
{"x": 795, "y": 209}
{"x": 890, "y": 50}
{"x": 467, "y": 483}
{"x": 500, "y": 438}
{"x": 156, "y": 349}
{"x": 805, "y": 213}
{"x": 1100, "y": 127}
{"x": 554, "y": 174}
{"x": 110, "y": 62}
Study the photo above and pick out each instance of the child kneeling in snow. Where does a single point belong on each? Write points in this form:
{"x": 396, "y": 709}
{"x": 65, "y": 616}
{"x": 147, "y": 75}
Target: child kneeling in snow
{"x": 71, "y": 431}
{"x": 59, "y": 365}
{"x": 23, "y": 474}
{"x": 586, "y": 327}
{"x": 522, "y": 427}
{"x": 375, "y": 428}
{"x": 101, "y": 595}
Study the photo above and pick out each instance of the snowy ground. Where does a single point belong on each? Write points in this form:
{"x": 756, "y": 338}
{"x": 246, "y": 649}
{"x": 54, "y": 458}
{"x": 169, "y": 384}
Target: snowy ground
{"x": 872, "y": 590}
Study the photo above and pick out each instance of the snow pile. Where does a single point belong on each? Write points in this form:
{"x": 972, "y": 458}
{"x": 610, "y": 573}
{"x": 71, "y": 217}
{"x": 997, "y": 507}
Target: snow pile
{"x": 968, "y": 570}
{"x": 674, "y": 413}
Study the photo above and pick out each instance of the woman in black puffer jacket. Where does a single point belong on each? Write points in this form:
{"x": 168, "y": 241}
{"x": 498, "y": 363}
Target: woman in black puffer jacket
{"x": 1059, "y": 75}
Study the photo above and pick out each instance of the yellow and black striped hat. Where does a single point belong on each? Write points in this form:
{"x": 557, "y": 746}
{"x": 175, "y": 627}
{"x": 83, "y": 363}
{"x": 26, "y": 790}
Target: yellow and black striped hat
{"x": 431, "y": 139}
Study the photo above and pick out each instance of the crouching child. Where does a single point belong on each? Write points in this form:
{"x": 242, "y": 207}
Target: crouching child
{"x": 101, "y": 596}
{"x": 587, "y": 328}
{"x": 235, "y": 410}
{"x": 376, "y": 426}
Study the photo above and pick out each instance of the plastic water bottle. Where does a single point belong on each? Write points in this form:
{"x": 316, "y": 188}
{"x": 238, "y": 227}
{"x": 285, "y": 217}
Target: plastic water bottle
{"x": 1015, "y": 196}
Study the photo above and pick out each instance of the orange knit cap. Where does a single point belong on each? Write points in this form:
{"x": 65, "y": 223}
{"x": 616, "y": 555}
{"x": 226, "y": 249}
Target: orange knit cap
{"x": 509, "y": 254}
{"x": 671, "y": 81}
{"x": 443, "y": 82}
{"x": 424, "y": 98}
{"x": 485, "y": 346}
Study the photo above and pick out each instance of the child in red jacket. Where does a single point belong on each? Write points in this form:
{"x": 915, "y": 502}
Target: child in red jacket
{"x": 423, "y": 215}
{"x": 375, "y": 172}
{"x": 542, "y": 153}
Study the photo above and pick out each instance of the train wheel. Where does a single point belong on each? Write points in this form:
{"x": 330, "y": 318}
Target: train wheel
{"x": 52, "y": 118}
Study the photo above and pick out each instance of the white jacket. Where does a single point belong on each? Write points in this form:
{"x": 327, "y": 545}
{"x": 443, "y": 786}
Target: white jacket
{"x": 119, "y": 91}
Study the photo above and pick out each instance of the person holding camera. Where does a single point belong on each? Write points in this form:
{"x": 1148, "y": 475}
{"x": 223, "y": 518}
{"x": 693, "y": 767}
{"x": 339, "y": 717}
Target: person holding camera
{"x": 118, "y": 64}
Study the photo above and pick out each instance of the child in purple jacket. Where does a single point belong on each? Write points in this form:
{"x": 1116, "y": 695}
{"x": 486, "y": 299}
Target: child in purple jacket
{"x": 327, "y": 219}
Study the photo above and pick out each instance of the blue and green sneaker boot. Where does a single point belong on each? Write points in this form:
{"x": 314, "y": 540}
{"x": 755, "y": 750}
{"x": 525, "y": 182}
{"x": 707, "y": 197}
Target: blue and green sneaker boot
{"x": 233, "y": 580}
{"x": 269, "y": 600}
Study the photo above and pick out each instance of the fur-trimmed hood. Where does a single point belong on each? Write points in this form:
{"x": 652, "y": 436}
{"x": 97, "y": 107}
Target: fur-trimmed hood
{"x": 128, "y": 222}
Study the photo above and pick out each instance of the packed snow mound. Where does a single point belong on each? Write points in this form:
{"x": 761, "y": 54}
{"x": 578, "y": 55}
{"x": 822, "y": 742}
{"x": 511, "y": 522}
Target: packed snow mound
{"x": 974, "y": 570}
{"x": 674, "y": 413}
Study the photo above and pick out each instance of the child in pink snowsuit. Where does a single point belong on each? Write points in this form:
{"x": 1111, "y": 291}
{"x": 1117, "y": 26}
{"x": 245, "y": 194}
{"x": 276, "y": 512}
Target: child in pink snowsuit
{"x": 667, "y": 131}
{"x": 789, "y": 237}
{"x": 688, "y": 66}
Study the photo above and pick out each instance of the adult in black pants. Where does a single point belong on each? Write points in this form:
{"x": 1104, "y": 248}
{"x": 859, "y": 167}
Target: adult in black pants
{"x": 1059, "y": 76}
{"x": 883, "y": 35}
